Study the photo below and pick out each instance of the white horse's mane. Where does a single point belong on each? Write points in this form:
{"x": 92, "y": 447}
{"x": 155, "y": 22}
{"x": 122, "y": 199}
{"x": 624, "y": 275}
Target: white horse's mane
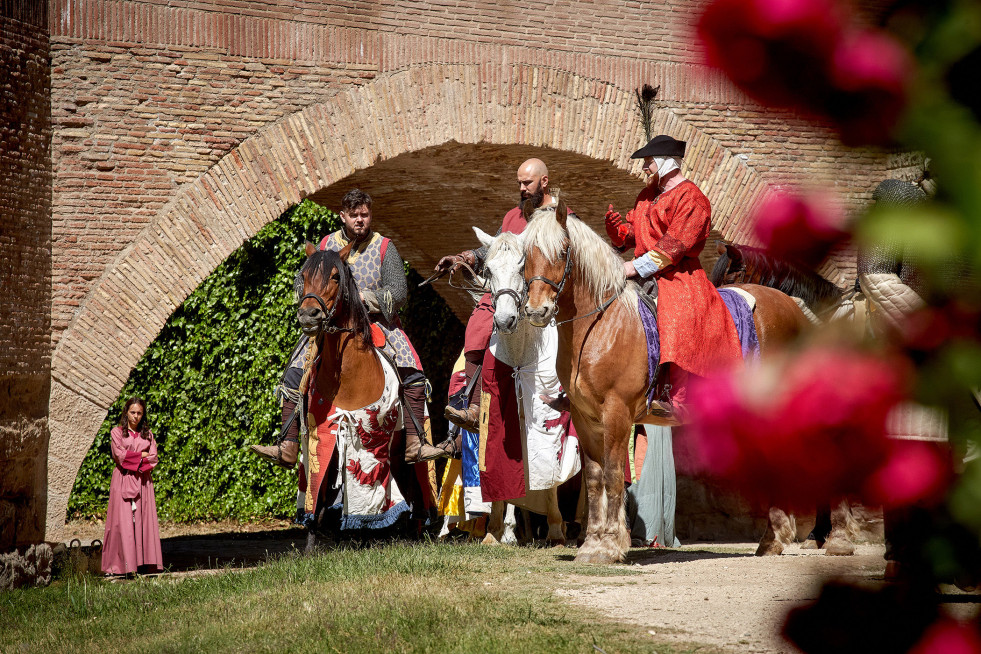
{"x": 598, "y": 264}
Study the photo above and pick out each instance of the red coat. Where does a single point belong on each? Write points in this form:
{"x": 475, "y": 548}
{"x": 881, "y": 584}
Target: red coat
{"x": 696, "y": 331}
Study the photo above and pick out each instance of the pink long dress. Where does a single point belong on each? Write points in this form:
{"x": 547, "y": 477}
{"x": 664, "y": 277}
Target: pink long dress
{"x": 132, "y": 533}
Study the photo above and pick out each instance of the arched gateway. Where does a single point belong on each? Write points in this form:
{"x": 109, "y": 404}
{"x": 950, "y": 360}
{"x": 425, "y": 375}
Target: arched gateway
{"x": 437, "y": 125}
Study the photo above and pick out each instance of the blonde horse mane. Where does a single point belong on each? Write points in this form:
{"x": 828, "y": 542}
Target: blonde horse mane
{"x": 597, "y": 264}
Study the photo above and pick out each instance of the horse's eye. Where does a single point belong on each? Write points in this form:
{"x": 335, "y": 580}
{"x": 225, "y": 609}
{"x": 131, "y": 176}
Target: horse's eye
{"x": 336, "y": 278}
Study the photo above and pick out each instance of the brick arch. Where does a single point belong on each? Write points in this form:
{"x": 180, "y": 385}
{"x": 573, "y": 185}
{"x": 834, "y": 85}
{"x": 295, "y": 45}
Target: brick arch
{"x": 402, "y": 112}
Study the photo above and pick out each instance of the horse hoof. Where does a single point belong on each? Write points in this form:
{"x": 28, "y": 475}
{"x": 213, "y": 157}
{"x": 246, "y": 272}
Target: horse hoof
{"x": 771, "y": 548}
{"x": 593, "y": 557}
{"x": 556, "y": 543}
{"x": 490, "y": 540}
{"x": 838, "y": 547}
{"x": 810, "y": 544}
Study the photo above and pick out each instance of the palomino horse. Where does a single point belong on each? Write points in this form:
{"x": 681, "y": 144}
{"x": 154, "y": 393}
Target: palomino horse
{"x": 349, "y": 377}
{"x": 530, "y": 351}
{"x": 575, "y": 278}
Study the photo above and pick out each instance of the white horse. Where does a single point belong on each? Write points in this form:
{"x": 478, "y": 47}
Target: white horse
{"x": 550, "y": 460}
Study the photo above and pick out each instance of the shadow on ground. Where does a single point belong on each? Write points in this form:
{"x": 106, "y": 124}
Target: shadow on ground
{"x": 210, "y": 551}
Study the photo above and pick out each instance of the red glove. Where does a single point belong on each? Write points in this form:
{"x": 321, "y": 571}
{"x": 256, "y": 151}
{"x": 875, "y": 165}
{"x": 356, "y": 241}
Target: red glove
{"x": 616, "y": 229}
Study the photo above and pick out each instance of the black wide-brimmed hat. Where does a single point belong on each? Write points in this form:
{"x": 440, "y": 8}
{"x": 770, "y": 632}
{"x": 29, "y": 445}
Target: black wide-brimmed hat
{"x": 661, "y": 146}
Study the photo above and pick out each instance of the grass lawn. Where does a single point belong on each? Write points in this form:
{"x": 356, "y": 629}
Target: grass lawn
{"x": 386, "y": 598}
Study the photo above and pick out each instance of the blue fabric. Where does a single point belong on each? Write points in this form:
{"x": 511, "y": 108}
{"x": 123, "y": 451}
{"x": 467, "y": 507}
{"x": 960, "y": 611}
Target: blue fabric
{"x": 653, "y": 344}
{"x": 653, "y": 497}
{"x": 470, "y": 458}
{"x": 379, "y": 521}
{"x": 742, "y": 315}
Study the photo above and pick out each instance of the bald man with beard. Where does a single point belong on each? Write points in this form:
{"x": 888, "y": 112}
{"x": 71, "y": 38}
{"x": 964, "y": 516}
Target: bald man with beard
{"x": 533, "y": 185}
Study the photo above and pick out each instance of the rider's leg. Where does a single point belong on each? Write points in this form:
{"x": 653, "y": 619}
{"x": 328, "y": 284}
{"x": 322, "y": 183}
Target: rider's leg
{"x": 475, "y": 342}
{"x": 675, "y": 408}
{"x": 468, "y": 417}
{"x": 416, "y": 447}
{"x": 286, "y": 451}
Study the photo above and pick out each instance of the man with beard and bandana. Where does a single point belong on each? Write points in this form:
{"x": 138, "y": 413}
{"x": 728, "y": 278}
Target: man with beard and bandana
{"x": 533, "y": 184}
{"x": 668, "y": 227}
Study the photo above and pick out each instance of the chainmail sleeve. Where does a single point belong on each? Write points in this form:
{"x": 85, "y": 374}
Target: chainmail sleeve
{"x": 393, "y": 293}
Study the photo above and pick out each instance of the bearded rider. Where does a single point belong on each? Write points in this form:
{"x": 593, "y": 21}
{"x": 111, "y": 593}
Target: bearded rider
{"x": 668, "y": 227}
{"x": 534, "y": 187}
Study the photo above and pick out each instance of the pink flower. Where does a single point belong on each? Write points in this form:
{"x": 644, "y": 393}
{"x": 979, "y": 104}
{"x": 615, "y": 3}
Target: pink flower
{"x": 799, "y": 228}
{"x": 801, "y": 428}
{"x": 870, "y": 73}
{"x": 807, "y": 56}
{"x": 775, "y": 50}
{"x": 914, "y": 472}
{"x": 949, "y": 637}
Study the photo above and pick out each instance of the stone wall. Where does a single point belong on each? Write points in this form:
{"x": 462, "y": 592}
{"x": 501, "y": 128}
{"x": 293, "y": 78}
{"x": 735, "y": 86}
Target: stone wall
{"x": 25, "y": 270}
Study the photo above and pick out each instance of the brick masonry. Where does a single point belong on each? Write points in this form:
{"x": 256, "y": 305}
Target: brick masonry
{"x": 25, "y": 271}
{"x": 181, "y": 127}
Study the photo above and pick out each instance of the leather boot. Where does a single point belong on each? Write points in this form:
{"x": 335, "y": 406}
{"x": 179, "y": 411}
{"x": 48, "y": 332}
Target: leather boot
{"x": 418, "y": 450}
{"x": 672, "y": 415}
{"x": 468, "y": 418}
{"x": 282, "y": 454}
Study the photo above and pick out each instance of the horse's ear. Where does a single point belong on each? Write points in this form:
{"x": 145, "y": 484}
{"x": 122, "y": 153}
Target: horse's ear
{"x": 346, "y": 251}
{"x": 720, "y": 248}
{"x": 734, "y": 254}
{"x": 309, "y": 248}
{"x": 527, "y": 210}
{"x": 482, "y": 236}
{"x": 561, "y": 213}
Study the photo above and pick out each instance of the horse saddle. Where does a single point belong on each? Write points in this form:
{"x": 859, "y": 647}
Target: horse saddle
{"x": 648, "y": 294}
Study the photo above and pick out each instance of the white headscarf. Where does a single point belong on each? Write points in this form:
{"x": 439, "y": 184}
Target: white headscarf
{"x": 666, "y": 165}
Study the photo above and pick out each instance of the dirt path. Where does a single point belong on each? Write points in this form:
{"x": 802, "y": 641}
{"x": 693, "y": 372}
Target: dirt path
{"x": 723, "y": 595}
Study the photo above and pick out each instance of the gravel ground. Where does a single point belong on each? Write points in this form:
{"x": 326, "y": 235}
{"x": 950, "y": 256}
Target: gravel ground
{"x": 722, "y": 595}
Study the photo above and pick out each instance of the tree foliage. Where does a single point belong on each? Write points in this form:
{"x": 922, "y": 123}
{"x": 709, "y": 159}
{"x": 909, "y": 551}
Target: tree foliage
{"x": 209, "y": 380}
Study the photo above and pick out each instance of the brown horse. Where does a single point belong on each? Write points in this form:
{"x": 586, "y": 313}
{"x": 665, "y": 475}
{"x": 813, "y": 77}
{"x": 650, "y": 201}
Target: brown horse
{"x": 574, "y": 277}
{"x": 349, "y": 375}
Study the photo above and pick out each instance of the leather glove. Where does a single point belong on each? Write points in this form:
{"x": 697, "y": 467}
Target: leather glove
{"x": 452, "y": 262}
{"x": 616, "y": 229}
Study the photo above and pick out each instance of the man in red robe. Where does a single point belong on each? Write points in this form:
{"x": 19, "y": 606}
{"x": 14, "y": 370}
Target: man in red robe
{"x": 533, "y": 185}
{"x": 668, "y": 227}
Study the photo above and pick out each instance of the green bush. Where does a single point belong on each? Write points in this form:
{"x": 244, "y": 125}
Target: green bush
{"x": 210, "y": 375}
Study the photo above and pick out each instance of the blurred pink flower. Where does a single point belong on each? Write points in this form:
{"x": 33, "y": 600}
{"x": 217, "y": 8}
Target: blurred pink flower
{"x": 947, "y": 636}
{"x": 802, "y": 428}
{"x": 808, "y": 56}
{"x": 799, "y": 228}
{"x": 914, "y": 472}
{"x": 775, "y": 50}
{"x": 870, "y": 73}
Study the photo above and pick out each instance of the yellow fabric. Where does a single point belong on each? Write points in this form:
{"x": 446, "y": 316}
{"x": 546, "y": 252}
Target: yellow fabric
{"x": 485, "y": 399}
{"x": 660, "y": 259}
{"x": 356, "y": 252}
{"x": 450, "y": 500}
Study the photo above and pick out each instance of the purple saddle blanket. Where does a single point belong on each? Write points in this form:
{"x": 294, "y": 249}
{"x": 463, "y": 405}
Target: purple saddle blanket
{"x": 741, "y": 314}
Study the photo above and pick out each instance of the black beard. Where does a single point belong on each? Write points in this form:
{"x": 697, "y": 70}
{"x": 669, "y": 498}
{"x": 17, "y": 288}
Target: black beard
{"x": 536, "y": 199}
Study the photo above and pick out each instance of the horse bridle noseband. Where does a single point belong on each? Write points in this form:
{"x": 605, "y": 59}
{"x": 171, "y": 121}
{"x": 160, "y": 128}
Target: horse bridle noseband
{"x": 325, "y": 325}
{"x": 558, "y": 289}
{"x": 565, "y": 274}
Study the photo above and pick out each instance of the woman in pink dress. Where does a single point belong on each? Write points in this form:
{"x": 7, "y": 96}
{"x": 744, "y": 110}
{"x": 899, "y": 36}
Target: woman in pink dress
{"x": 132, "y": 540}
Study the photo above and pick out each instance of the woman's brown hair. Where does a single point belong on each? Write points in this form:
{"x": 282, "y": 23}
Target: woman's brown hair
{"x": 144, "y": 426}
